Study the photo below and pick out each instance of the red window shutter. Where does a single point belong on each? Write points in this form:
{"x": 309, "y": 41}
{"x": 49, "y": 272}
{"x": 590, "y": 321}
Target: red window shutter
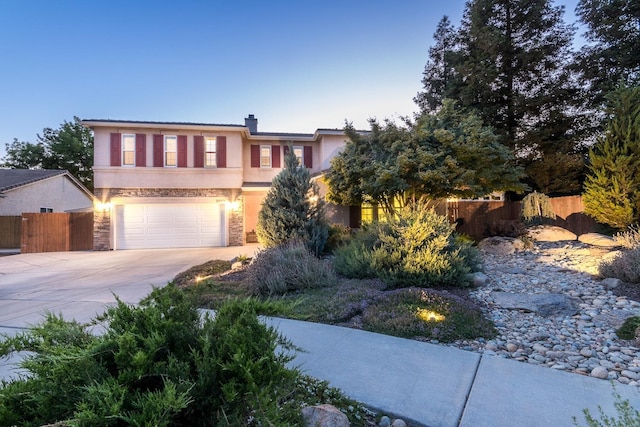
{"x": 308, "y": 156}
{"x": 285, "y": 150}
{"x": 275, "y": 156}
{"x": 221, "y": 151}
{"x": 198, "y": 151}
{"x": 158, "y": 151}
{"x": 141, "y": 150}
{"x": 255, "y": 156}
{"x": 116, "y": 150}
{"x": 182, "y": 151}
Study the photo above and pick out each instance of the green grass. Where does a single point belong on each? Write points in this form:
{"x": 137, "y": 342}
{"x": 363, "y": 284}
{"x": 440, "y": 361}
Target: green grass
{"x": 359, "y": 303}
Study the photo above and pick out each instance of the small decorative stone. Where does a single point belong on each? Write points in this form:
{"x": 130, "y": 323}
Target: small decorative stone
{"x": 600, "y": 372}
{"x": 384, "y": 422}
{"x": 398, "y": 423}
{"x": 324, "y": 416}
{"x": 611, "y": 282}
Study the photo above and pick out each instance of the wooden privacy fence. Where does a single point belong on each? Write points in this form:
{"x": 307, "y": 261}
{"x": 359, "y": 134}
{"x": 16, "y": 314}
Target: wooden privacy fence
{"x": 476, "y": 217}
{"x": 57, "y": 232}
{"x": 10, "y": 232}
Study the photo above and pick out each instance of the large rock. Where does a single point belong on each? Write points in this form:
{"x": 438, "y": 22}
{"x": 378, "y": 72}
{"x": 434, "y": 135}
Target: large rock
{"x": 597, "y": 239}
{"x": 543, "y": 304}
{"x": 324, "y": 416}
{"x": 550, "y": 233}
{"x": 501, "y": 245}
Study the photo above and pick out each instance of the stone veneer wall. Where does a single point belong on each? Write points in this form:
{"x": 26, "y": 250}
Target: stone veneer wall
{"x": 102, "y": 220}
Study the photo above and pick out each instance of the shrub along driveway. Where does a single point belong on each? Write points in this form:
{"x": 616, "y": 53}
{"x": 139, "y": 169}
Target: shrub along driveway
{"x": 79, "y": 284}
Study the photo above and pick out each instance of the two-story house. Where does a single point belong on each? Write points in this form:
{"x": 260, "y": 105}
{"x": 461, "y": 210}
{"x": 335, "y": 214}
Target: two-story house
{"x": 168, "y": 185}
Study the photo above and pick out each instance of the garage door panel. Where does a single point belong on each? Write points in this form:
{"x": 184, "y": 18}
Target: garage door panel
{"x": 143, "y": 226}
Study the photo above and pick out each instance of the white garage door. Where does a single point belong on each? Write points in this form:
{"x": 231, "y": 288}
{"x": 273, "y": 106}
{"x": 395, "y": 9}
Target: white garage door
{"x": 150, "y": 226}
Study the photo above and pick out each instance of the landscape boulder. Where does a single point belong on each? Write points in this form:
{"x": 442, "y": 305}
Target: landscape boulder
{"x": 324, "y": 416}
{"x": 550, "y": 233}
{"x": 543, "y": 304}
{"x": 499, "y": 245}
{"x": 597, "y": 239}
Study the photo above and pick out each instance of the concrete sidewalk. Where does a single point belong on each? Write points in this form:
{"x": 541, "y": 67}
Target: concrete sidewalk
{"x": 435, "y": 385}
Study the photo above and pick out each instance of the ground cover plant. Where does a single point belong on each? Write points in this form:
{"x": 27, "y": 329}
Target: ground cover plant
{"x": 160, "y": 363}
{"x": 424, "y": 314}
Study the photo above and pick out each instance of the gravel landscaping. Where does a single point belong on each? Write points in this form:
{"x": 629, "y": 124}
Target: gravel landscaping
{"x": 584, "y": 342}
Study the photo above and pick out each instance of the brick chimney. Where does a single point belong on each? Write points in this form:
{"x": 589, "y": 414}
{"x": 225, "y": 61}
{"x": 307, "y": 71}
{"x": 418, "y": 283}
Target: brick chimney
{"x": 252, "y": 123}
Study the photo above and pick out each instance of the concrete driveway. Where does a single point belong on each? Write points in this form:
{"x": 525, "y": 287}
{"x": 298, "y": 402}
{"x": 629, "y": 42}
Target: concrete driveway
{"x": 79, "y": 284}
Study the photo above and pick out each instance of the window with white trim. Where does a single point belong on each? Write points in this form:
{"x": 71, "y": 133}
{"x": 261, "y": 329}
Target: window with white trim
{"x": 299, "y": 152}
{"x": 265, "y": 156}
{"x": 128, "y": 150}
{"x": 210, "y": 159}
{"x": 171, "y": 150}
{"x": 46, "y": 210}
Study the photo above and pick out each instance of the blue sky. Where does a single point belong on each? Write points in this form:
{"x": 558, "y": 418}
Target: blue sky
{"x": 297, "y": 65}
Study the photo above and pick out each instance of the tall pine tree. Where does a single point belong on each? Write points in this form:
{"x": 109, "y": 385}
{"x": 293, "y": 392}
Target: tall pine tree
{"x": 440, "y": 78}
{"x": 510, "y": 64}
{"x": 612, "y": 188}
{"x": 612, "y": 54}
{"x": 293, "y": 209}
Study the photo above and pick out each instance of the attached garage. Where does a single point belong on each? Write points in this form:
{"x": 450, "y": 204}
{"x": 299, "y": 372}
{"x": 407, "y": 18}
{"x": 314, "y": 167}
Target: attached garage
{"x": 169, "y": 225}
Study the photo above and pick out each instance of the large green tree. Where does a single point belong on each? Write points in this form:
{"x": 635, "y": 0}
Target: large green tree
{"x": 612, "y": 188}
{"x": 445, "y": 154}
{"x": 293, "y": 209}
{"x": 440, "y": 78}
{"x": 69, "y": 147}
{"x": 509, "y": 62}
{"x": 612, "y": 54}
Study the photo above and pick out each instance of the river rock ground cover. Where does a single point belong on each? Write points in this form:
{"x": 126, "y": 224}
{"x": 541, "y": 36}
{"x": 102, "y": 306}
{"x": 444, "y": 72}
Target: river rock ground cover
{"x": 584, "y": 342}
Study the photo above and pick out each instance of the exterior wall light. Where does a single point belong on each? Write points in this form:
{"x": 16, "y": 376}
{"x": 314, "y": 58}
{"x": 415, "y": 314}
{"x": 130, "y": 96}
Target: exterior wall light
{"x": 103, "y": 206}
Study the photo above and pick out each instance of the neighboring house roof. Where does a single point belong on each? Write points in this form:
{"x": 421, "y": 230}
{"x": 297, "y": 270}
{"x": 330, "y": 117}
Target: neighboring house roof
{"x": 15, "y": 178}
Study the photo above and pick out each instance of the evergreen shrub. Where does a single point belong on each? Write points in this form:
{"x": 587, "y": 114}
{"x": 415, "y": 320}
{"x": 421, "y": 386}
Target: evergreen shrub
{"x": 288, "y": 268}
{"x": 293, "y": 209}
{"x": 338, "y": 236}
{"x": 417, "y": 247}
{"x": 157, "y": 364}
{"x": 354, "y": 261}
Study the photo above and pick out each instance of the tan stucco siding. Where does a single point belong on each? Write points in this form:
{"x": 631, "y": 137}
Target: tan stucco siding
{"x": 106, "y": 176}
{"x": 58, "y": 193}
{"x": 102, "y": 145}
{"x": 330, "y": 146}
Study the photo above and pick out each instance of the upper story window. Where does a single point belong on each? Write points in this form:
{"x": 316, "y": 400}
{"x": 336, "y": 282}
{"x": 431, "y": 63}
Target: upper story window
{"x": 171, "y": 150}
{"x": 46, "y": 210}
{"x": 210, "y": 156}
{"x": 265, "y": 156}
{"x": 128, "y": 150}
{"x": 299, "y": 152}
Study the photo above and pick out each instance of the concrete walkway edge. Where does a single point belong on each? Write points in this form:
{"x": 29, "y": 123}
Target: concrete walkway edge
{"x": 436, "y": 385}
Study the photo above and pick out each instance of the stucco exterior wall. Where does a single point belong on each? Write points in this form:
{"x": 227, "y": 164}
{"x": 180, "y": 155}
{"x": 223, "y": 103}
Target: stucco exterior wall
{"x": 106, "y": 176}
{"x": 330, "y": 146}
{"x": 58, "y": 193}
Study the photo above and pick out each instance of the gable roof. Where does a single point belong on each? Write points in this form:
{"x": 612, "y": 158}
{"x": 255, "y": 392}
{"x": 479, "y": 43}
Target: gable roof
{"x": 14, "y": 178}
